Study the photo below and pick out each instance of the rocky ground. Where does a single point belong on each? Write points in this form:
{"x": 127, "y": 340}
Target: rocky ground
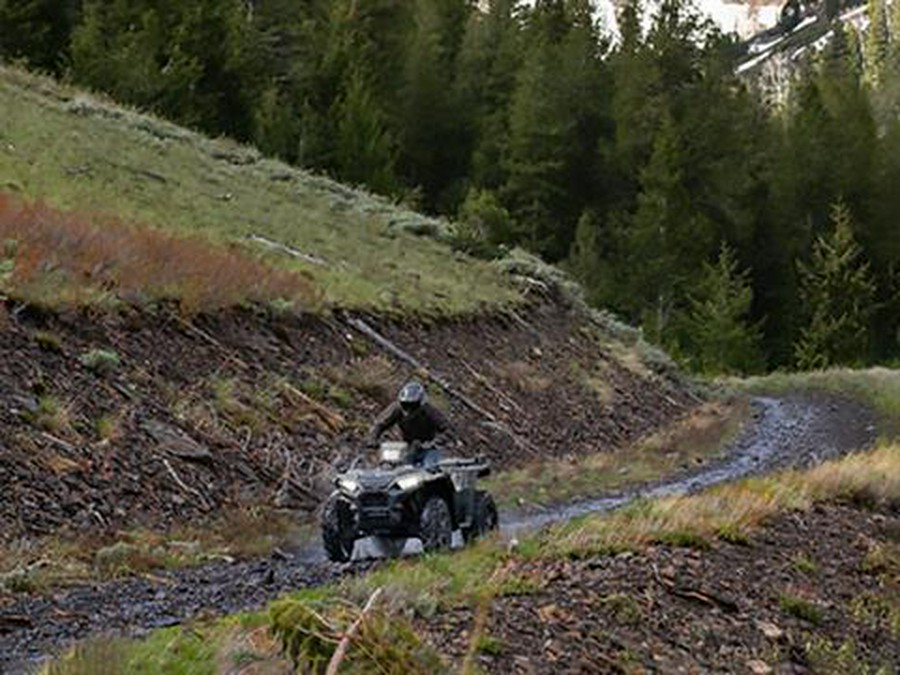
{"x": 152, "y": 420}
{"x": 817, "y": 591}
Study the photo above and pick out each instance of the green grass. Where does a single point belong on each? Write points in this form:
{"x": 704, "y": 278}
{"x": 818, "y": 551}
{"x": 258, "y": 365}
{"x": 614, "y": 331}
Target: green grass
{"x": 801, "y": 608}
{"x": 198, "y": 649}
{"x": 79, "y": 153}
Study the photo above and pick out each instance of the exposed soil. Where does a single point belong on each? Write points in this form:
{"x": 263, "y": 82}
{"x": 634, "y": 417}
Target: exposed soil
{"x": 767, "y": 606}
{"x": 791, "y": 432}
{"x": 243, "y": 409}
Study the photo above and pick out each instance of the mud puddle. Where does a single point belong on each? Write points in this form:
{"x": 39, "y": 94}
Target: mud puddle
{"x": 792, "y": 431}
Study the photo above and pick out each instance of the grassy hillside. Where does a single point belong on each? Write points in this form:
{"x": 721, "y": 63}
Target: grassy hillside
{"x": 81, "y": 154}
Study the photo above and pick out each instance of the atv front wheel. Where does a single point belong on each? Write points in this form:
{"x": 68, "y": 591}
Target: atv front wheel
{"x": 484, "y": 520}
{"x": 435, "y": 525}
{"x": 338, "y": 534}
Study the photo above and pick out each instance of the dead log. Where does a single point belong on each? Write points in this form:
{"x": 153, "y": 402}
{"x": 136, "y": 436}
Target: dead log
{"x": 287, "y": 250}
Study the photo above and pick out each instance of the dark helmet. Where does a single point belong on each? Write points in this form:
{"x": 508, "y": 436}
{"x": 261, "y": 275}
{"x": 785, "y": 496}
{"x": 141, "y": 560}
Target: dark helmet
{"x": 412, "y": 396}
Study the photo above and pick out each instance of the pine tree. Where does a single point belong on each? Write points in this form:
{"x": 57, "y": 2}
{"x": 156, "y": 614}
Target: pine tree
{"x": 489, "y": 58}
{"x": 365, "y": 151}
{"x": 482, "y": 224}
{"x": 837, "y": 290}
{"x": 587, "y": 259}
{"x": 656, "y": 232}
{"x": 718, "y": 334}
{"x": 555, "y": 118}
{"x": 38, "y": 31}
{"x": 637, "y": 105}
{"x": 431, "y": 154}
{"x": 876, "y": 44}
{"x": 185, "y": 60}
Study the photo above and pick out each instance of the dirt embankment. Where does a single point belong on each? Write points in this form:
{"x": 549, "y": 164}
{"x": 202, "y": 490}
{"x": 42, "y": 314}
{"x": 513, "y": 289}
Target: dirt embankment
{"x": 150, "y": 420}
{"x": 815, "y": 591}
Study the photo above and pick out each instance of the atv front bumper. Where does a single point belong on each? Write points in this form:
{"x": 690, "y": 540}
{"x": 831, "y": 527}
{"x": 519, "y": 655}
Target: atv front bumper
{"x": 379, "y": 513}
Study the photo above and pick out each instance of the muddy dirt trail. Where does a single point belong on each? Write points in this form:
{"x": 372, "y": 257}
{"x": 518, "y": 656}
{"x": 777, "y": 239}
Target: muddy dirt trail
{"x": 795, "y": 430}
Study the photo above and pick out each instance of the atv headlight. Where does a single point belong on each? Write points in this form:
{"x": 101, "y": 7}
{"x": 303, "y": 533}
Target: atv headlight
{"x": 411, "y": 482}
{"x": 349, "y": 485}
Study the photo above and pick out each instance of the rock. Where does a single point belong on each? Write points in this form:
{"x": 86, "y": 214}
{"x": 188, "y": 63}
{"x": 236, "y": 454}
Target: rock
{"x": 176, "y": 443}
{"x": 758, "y": 667}
{"x": 770, "y": 630}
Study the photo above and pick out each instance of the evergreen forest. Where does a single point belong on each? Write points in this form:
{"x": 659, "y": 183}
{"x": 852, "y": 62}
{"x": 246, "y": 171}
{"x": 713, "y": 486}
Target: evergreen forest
{"x": 742, "y": 230}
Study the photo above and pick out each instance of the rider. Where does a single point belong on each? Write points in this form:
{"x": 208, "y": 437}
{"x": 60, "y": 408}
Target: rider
{"x": 419, "y": 421}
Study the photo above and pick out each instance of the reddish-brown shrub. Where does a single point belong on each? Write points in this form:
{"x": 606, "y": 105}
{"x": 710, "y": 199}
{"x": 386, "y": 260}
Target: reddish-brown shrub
{"x": 63, "y": 258}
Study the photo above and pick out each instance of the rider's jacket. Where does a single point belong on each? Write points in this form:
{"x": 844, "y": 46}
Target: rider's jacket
{"x": 422, "y": 425}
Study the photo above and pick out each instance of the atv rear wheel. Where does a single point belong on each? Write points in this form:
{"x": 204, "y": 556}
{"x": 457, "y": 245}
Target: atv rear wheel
{"x": 435, "y": 525}
{"x": 484, "y": 520}
{"x": 338, "y": 534}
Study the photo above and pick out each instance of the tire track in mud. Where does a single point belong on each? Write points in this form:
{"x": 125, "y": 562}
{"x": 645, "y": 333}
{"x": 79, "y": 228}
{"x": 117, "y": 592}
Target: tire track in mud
{"x": 791, "y": 431}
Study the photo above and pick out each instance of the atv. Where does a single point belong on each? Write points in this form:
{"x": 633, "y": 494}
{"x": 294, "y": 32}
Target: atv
{"x": 401, "y": 499}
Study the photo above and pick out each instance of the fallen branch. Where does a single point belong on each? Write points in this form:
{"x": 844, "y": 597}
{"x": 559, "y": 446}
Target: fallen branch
{"x": 68, "y": 447}
{"x": 344, "y": 644}
{"x": 490, "y": 387}
{"x": 287, "y": 250}
{"x": 187, "y": 325}
{"x": 184, "y": 486}
{"x": 693, "y": 594}
{"x": 332, "y": 420}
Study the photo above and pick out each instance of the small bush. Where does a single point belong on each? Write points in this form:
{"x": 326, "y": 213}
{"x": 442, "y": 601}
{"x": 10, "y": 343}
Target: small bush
{"x": 100, "y": 361}
{"x": 881, "y": 558}
{"x": 488, "y": 644}
{"x": 107, "y": 428}
{"x": 801, "y": 608}
{"x": 624, "y": 608}
{"x": 49, "y": 342}
{"x": 827, "y": 658}
{"x": 803, "y": 564}
{"x": 877, "y": 612}
{"x": 18, "y": 581}
{"x": 49, "y": 415}
{"x": 123, "y": 559}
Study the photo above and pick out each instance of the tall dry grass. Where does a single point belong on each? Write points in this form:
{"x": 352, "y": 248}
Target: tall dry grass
{"x": 56, "y": 258}
{"x": 732, "y": 511}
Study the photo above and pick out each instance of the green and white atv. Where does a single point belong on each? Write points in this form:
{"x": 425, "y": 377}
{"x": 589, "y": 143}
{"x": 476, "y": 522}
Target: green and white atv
{"x": 401, "y": 500}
